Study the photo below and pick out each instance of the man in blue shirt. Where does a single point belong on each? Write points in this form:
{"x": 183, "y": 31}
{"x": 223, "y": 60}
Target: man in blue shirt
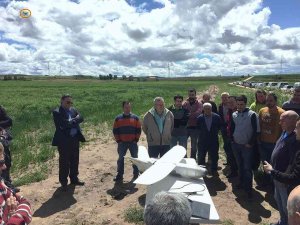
{"x": 67, "y": 137}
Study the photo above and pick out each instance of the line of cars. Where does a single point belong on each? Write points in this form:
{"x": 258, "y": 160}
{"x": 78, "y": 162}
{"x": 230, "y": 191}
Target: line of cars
{"x": 283, "y": 86}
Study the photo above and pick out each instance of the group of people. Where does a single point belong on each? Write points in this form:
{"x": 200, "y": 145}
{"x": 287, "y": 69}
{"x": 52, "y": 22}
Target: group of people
{"x": 14, "y": 209}
{"x": 264, "y": 132}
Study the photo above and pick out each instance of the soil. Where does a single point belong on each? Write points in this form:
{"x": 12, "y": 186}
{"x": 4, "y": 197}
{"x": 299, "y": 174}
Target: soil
{"x": 101, "y": 201}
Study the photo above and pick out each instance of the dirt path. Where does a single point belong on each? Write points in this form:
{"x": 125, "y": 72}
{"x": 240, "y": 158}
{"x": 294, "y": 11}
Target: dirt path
{"x": 102, "y": 202}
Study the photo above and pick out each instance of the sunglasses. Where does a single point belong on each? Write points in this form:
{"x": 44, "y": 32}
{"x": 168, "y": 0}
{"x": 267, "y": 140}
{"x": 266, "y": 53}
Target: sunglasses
{"x": 2, "y": 162}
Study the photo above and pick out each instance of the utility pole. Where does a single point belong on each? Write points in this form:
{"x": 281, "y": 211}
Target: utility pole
{"x": 169, "y": 74}
{"x": 281, "y": 62}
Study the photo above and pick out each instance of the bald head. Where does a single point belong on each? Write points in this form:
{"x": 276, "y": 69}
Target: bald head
{"x": 288, "y": 120}
{"x": 293, "y": 206}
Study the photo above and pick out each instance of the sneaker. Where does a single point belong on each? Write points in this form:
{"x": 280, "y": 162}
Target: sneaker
{"x": 78, "y": 182}
{"x": 118, "y": 178}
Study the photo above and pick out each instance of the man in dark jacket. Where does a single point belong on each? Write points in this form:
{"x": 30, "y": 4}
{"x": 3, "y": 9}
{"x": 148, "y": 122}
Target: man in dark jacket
{"x": 181, "y": 116}
{"x": 67, "y": 137}
{"x": 209, "y": 125}
{"x": 282, "y": 157}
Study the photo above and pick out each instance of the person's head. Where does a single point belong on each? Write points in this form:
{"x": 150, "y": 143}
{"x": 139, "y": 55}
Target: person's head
{"x": 288, "y": 120}
{"x": 224, "y": 98}
{"x": 298, "y": 130}
{"x": 66, "y": 101}
{"x": 2, "y": 161}
{"x": 206, "y": 97}
{"x": 241, "y": 103}
{"x": 2, "y": 111}
{"x": 159, "y": 104}
{"x": 168, "y": 209}
{"x": 126, "y": 107}
{"x": 271, "y": 100}
{"x": 207, "y": 109}
{"x": 260, "y": 96}
{"x": 232, "y": 102}
{"x": 296, "y": 95}
{"x": 178, "y": 99}
{"x": 293, "y": 206}
{"x": 192, "y": 94}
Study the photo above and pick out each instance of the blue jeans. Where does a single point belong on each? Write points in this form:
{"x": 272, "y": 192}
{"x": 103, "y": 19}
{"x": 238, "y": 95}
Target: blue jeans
{"x": 122, "y": 149}
{"x": 194, "y": 134}
{"x": 266, "y": 150}
{"x": 244, "y": 157}
{"x": 182, "y": 141}
{"x": 158, "y": 150}
{"x": 281, "y": 197}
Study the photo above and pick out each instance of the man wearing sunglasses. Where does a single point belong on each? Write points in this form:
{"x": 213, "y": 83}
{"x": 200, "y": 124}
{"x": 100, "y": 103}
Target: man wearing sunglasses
{"x": 67, "y": 137}
{"x": 14, "y": 209}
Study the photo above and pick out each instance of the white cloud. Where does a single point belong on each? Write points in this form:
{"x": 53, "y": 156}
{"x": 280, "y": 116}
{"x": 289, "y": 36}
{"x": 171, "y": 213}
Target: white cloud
{"x": 101, "y": 37}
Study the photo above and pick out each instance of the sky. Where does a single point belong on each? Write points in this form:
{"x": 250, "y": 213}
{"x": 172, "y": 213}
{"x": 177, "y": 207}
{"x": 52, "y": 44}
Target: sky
{"x": 150, "y": 37}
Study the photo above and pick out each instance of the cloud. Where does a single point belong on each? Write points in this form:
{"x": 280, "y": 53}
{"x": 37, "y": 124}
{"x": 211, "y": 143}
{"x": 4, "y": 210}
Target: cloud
{"x": 92, "y": 37}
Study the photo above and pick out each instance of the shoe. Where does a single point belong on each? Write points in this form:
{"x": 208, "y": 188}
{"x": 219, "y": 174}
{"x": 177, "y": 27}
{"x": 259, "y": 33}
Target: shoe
{"x": 78, "y": 183}
{"x": 135, "y": 176}
{"x": 225, "y": 163}
{"x": 64, "y": 188}
{"x": 118, "y": 178}
{"x": 232, "y": 174}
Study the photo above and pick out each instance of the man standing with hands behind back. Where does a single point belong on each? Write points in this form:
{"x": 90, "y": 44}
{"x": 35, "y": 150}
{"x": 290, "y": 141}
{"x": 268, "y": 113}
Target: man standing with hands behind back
{"x": 67, "y": 137}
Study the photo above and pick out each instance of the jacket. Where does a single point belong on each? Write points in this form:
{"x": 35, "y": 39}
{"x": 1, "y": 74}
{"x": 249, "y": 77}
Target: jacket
{"x": 63, "y": 125}
{"x": 150, "y": 128}
{"x": 209, "y": 137}
{"x": 181, "y": 117}
{"x": 195, "y": 110}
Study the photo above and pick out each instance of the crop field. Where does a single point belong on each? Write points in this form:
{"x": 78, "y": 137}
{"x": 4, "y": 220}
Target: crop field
{"x": 30, "y": 104}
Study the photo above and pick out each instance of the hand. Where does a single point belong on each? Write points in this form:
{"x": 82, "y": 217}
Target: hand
{"x": 267, "y": 167}
{"x": 12, "y": 204}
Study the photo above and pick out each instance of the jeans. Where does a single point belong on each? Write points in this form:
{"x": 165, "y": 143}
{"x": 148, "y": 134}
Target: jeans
{"x": 266, "y": 150}
{"x": 182, "y": 141}
{"x": 194, "y": 134}
{"x": 281, "y": 197}
{"x": 228, "y": 151}
{"x": 244, "y": 157}
{"x": 122, "y": 149}
{"x": 158, "y": 150}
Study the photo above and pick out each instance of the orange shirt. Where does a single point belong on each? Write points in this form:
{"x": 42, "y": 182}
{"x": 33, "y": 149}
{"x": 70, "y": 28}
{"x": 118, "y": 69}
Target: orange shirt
{"x": 269, "y": 124}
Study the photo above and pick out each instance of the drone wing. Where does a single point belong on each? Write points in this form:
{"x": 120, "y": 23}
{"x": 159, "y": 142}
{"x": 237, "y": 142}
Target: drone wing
{"x": 163, "y": 167}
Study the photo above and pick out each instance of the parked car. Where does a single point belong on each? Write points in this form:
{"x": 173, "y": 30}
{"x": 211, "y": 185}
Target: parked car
{"x": 297, "y": 84}
{"x": 272, "y": 85}
{"x": 282, "y": 84}
{"x": 287, "y": 88}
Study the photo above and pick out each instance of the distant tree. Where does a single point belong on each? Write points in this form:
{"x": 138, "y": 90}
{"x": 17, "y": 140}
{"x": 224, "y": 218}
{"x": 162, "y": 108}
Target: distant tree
{"x": 130, "y": 78}
{"x": 15, "y": 77}
{"x": 110, "y": 76}
{"x": 138, "y": 79}
{"x": 115, "y": 77}
{"x": 124, "y": 77}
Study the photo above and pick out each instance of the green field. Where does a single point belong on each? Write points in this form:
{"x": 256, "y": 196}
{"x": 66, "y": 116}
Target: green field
{"x": 30, "y": 104}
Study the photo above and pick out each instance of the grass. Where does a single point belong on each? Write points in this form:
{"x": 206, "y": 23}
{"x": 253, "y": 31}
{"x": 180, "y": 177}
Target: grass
{"x": 30, "y": 104}
{"x": 134, "y": 215}
{"x": 228, "y": 222}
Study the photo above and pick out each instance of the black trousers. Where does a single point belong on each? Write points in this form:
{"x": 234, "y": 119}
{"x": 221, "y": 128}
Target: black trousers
{"x": 68, "y": 160}
{"x": 7, "y": 157}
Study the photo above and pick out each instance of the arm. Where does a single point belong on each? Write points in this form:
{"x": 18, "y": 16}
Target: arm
{"x": 116, "y": 131}
{"x": 78, "y": 118}
{"x": 22, "y": 214}
{"x": 138, "y": 130}
{"x": 255, "y": 129}
{"x": 145, "y": 125}
{"x": 232, "y": 128}
{"x": 60, "y": 122}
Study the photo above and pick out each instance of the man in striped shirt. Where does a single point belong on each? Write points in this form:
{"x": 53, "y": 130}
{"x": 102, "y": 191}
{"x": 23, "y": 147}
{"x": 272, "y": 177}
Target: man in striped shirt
{"x": 127, "y": 131}
{"x": 14, "y": 209}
